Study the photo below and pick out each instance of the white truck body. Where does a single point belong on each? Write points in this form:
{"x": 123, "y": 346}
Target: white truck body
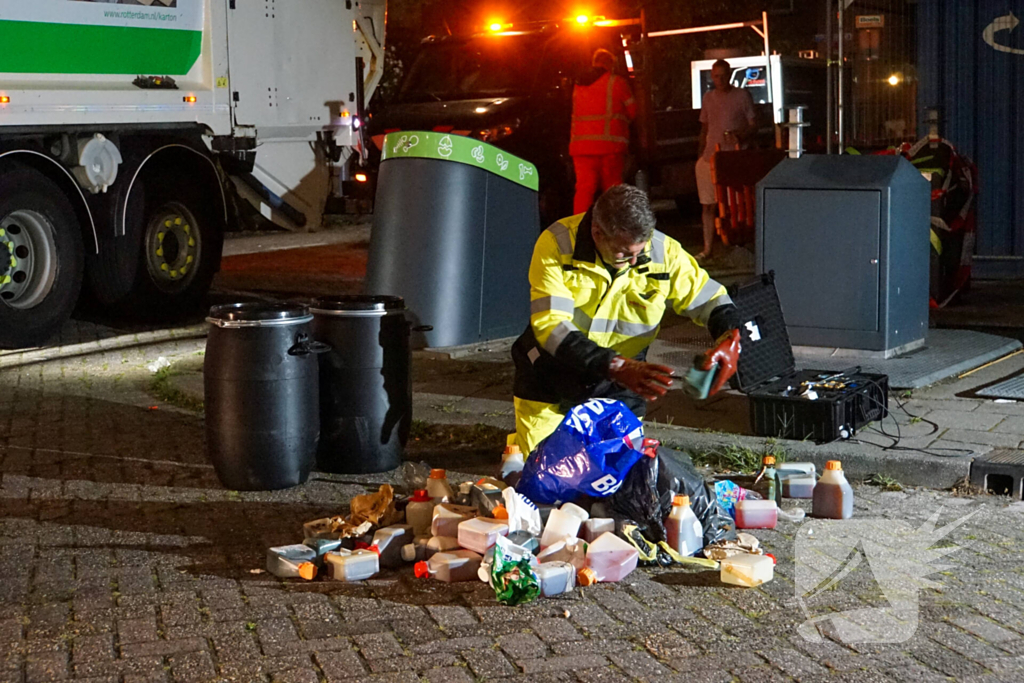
{"x": 271, "y": 79}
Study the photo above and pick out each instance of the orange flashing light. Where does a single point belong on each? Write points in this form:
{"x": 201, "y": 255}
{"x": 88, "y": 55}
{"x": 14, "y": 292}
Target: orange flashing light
{"x": 495, "y": 26}
{"x": 191, "y": 99}
{"x": 361, "y": 178}
{"x": 4, "y": 99}
{"x": 582, "y": 19}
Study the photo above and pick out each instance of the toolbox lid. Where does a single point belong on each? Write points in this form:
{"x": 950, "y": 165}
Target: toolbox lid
{"x": 766, "y": 351}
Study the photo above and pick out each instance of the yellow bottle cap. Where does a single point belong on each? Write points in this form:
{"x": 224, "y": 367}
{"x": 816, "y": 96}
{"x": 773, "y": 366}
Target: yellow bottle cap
{"x": 586, "y": 577}
{"x": 682, "y": 501}
{"x": 834, "y": 465}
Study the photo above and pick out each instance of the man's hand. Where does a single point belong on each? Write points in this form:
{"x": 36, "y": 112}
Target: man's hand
{"x": 647, "y": 379}
{"x": 727, "y": 355}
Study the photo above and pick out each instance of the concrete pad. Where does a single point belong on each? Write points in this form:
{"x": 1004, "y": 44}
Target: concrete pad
{"x": 990, "y": 438}
{"x": 955, "y": 419}
{"x": 1011, "y": 425}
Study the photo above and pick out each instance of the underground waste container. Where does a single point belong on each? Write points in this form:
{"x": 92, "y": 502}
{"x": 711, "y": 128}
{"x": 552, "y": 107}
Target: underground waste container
{"x": 454, "y": 226}
{"x": 261, "y": 382}
{"x": 365, "y": 383}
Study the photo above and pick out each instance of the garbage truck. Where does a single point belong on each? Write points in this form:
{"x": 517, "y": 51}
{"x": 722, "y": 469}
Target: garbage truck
{"x": 134, "y": 132}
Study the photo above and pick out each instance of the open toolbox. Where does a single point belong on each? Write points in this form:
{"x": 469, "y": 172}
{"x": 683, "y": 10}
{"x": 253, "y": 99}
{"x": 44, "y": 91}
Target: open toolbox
{"x": 820, "y": 405}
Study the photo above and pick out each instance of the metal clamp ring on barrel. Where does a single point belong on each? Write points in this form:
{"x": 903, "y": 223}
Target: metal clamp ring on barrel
{"x": 259, "y": 323}
{"x": 355, "y": 313}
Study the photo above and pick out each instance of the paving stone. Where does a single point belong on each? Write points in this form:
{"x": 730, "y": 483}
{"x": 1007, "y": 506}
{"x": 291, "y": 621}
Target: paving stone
{"x": 1011, "y": 425}
{"x": 340, "y": 665}
{"x": 454, "y": 645}
{"x": 551, "y": 664}
{"x": 987, "y": 630}
{"x": 375, "y": 646}
{"x": 192, "y": 667}
{"x": 639, "y": 664}
{"x": 449, "y": 674}
{"x": 555, "y": 630}
{"x": 489, "y": 663}
{"x": 970, "y": 436}
{"x": 965, "y": 420}
{"x": 163, "y": 647}
{"x": 521, "y": 646}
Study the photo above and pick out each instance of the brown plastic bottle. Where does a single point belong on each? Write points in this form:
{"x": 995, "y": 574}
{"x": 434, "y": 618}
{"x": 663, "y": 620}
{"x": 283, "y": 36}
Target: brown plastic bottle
{"x": 833, "y": 495}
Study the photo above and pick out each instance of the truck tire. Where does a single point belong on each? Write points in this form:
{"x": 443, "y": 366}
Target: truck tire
{"x": 182, "y": 236}
{"x": 42, "y": 258}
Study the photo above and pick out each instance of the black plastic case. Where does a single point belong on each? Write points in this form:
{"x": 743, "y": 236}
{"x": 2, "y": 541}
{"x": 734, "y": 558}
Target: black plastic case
{"x": 767, "y": 368}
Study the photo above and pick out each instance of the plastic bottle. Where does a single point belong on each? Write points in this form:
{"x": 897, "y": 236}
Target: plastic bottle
{"x": 595, "y": 526}
{"x": 292, "y": 561}
{"x": 685, "y": 533}
{"x": 570, "y": 550}
{"x": 511, "y": 463}
{"x": 556, "y": 578}
{"x": 770, "y": 485}
{"x": 479, "y": 534}
{"x": 747, "y": 570}
{"x": 322, "y": 546}
{"x": 447, "y": 518}
{"x": 388, "y": 542}
{"x": 415, "y": 551}
{"x": 563, "y": 523}
{"x": 609, "y": 559}
{"x": 798, "y": 479}
{"x": 756, "y": 514}
{"x": 450, "y": 567}
{"x": 351, "y": 565}
{"x": 438, "y": 487}
{"x": 833, "y": 495}
{"x": 524, "y": 539}
{"x": 420, "y": 512}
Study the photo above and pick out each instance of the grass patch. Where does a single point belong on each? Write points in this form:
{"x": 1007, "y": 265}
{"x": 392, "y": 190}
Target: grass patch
{"x": 734, "y": 457}
{"x": 884, "y": 482}
{"x": 428, "y": 434}
{"x": 162, "y": 389}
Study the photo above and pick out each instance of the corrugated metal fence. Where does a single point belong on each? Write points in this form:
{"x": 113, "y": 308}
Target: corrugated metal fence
{"x": 971, "y": 66}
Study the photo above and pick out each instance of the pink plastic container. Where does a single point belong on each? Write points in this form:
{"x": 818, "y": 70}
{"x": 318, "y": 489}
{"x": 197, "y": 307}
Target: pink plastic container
{"x": 756, "y": 514}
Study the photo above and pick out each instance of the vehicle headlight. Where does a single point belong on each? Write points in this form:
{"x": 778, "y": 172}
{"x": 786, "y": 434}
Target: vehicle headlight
{"x": 495, "y": 133}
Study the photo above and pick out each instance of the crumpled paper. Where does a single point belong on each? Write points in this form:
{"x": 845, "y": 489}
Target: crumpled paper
{"x": 744, "y": 543}
{"x": 365, "y": 512}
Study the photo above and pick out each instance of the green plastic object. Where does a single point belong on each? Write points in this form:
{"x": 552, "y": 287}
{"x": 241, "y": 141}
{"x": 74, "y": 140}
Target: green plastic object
{"x": 698, "y": 382}
{"x": 420, "y": 144}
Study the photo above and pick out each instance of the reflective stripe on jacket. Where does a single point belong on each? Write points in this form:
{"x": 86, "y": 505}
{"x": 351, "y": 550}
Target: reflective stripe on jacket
{"x": 601, "y": 113}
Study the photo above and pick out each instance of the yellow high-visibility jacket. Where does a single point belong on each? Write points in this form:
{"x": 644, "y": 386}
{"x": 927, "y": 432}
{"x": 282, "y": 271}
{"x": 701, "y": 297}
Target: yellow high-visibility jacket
{"x": 581, "y": 317}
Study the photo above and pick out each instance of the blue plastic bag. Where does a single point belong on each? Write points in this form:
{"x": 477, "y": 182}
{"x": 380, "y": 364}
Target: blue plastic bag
{"x": 589, "y": 454}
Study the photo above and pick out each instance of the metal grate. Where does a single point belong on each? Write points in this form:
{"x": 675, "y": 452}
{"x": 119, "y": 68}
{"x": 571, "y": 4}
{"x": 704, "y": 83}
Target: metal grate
{"x": 1011, "y": 388}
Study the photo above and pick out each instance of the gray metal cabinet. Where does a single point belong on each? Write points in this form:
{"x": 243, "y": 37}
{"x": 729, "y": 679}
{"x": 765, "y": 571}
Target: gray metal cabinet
{"x": 847, "y": 237}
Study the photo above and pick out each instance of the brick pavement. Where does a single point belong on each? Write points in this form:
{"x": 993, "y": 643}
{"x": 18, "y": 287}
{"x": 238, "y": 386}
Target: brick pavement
{"x": 123, "y": 560}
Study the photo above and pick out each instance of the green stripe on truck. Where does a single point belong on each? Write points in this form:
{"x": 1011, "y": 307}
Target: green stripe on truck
{"x": 42, "y": 48}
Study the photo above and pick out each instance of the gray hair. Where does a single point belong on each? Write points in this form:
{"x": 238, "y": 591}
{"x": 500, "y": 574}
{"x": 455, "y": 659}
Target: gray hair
{"x": 625, "y": 211}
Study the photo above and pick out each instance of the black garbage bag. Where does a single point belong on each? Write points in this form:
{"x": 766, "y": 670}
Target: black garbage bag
{"x": 638, "y": 500}
{"x": 676, "y": 475}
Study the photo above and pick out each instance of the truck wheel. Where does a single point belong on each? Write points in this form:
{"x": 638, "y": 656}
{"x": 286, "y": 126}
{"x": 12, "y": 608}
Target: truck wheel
{"x": 41, "y": 258}
{"x": 182, "y": 239}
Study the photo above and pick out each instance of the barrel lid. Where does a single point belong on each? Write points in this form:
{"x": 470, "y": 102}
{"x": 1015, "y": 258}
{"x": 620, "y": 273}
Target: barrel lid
{"x": 258, "y": 315}
{"x": 357, "y": 304}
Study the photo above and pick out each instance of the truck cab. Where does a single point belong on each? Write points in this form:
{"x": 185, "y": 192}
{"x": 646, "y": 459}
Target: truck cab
{"x": 510, "y": 87}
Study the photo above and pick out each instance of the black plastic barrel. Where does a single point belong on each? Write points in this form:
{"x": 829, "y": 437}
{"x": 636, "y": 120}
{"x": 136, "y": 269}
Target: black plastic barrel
{"x": 365, "y": 383}
{"x": 262, "y": 383}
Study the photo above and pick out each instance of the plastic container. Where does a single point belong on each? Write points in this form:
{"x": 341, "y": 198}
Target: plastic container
{"x": 415, "y": 551}
{"x": 556, "y": 578}
{"x": 563, "y": 523}
{"x": 524, "y": 539}
{"x": 447, "y": 518}
{"x": 756, "y": 514}
{"x": 609, "y": 559}
{"x": 833, "y": 495}
{"x": 351, "y": 565}
{"x": 450, "y": 567}
{"x": 292, "y": 561}
{"x": 747, "y": 570}
{"x": 570, "y": 550}
{"x": 595, "y": 526}
{"x": 685, "y": 533}
{"x": 479, "y": 534}
{"x": 769, "y": 485}
{"x": 798, "y": 479}
{"x": 419, "y": 513}
{"x": 388, "y": 542}
{"x": 322, "y": 546}
{"x": 438, "y": 487}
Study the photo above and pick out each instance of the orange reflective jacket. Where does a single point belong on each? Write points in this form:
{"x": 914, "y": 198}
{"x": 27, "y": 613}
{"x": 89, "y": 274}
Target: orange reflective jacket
{"x": 601, "y": 113}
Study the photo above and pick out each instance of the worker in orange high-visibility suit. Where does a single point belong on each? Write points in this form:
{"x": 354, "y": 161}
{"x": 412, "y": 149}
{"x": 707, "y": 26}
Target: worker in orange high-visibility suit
{"x": 602, "y": 108}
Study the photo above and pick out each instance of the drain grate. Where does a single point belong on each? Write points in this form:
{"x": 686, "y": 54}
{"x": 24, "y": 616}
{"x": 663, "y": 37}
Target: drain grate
{"x": 1000, "y": 472}
{"x": 1012, "y": 388}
